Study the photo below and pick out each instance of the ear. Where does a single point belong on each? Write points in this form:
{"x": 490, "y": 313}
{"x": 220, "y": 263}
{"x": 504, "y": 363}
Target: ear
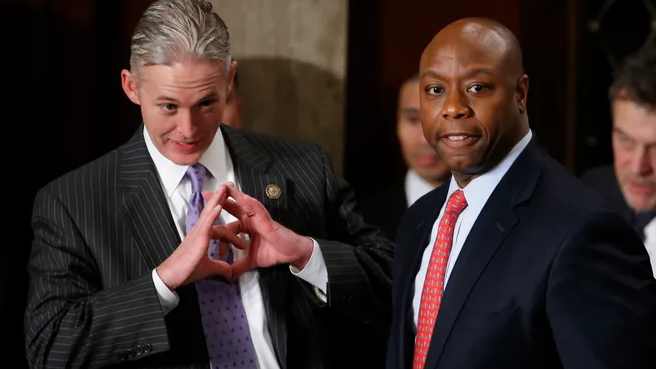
{"x": 521, "y": 93}
{"x": 129, "y": 84}
{"x": 231, "y": 77}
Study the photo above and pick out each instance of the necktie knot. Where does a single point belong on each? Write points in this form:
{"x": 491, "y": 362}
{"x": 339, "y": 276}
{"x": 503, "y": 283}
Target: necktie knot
{"x": 456, "y": 204}
{"x": 196, "y": 173}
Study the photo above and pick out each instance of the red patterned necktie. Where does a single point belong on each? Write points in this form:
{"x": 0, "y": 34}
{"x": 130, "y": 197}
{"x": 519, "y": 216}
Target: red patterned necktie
{"x": 431, "y": 294}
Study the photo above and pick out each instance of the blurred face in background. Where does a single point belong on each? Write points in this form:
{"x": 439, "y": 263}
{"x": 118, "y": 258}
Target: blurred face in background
{"x": 634, "y": 151}
{"x": 417, "y": 153}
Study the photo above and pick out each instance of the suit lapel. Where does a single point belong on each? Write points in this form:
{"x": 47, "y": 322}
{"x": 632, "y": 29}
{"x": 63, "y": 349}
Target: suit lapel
{"x": 257, "y": 179}
{"x": 144, "y": 204}
{"x": 496, "y": 220}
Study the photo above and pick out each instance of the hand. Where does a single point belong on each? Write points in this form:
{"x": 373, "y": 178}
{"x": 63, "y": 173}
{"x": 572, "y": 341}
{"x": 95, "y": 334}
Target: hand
{"x": 270, "y": 242}
{"x": 190, "y": 261}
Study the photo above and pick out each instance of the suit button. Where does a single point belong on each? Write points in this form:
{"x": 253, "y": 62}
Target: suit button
{"x": 147, "y": 348}
{"x": 348, "y": 300}
{"x": 131, "y": 353}
{"x": 139, "y": 350}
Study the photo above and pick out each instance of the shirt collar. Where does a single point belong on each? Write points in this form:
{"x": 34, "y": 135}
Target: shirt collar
{"x": 171, "y": 174}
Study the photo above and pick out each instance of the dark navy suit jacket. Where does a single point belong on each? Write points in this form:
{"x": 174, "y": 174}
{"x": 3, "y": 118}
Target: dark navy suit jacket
{"x": 549, "y": 277}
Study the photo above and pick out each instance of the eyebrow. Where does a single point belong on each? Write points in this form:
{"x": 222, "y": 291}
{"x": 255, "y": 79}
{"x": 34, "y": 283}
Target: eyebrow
{"x": 469, "y": 74}
{"x": 163, "y": 98}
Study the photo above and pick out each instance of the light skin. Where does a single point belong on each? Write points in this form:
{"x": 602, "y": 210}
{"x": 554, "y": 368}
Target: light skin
{"x": 182, "y": 106}
{"x": 417, "y": 153}
{"x": 634, "y": 151}
{"x": 473, "y": 96}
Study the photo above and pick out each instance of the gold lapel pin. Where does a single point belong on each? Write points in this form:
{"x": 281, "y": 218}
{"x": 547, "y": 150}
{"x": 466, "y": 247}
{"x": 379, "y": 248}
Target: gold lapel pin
{"x": 273, "y": 191}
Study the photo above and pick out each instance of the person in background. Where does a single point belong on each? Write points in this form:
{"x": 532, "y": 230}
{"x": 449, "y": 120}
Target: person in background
{"x": 629, "y": 184}
{"x": 514, "y": 263}
{"x": 197, "y": 245}
{"x": 426, "y": 170}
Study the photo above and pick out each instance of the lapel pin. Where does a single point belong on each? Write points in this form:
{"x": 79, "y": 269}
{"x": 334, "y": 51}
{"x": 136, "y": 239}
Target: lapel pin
{"x": 273, "y": 191}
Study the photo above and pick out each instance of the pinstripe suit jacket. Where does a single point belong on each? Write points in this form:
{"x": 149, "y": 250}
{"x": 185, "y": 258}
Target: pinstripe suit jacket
{"x": 101, "y": 229}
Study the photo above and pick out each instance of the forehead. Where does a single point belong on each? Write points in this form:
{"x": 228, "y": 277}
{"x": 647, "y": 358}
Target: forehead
{"x": 184, "y": 76}
{"x": 635, "y": 120}
{"x": 458, "y": 54}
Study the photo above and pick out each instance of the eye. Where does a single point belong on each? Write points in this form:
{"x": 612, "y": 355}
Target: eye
{"x": 169, "y": 108}
{"x": 477, "y": 88}
{"x": 207, "y": 103}
{"x": 624, "y": 140}
{"x": 435, "y": 90}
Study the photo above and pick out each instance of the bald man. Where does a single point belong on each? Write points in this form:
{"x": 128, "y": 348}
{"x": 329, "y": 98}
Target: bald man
{"x": 513, "y": 263}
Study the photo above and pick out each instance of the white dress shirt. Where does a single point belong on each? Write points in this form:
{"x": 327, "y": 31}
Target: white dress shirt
{"x": 415, "y": 187}
{"x": 650, "y": 243}
{"x": 177, "y": 189}
{"x": 477, "y": 193}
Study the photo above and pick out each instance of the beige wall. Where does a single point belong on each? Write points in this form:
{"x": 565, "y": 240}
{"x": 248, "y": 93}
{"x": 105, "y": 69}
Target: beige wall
{"x": 292, "y": 63}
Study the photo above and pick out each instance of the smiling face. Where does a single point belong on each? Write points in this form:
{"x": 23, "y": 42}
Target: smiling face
{"x": 473, "y": 97}
{"x": 181, "y": 105}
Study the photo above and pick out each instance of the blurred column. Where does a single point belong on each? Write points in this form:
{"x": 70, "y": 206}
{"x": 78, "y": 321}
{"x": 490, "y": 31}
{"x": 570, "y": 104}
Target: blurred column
{"x": 292, "y": 64}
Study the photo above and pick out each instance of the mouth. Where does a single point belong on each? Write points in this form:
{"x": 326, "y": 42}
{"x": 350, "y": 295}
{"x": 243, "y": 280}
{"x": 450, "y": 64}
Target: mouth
{"x": 458, "y": 140}
{"x": 185, "y": 146}
{"x": 642, "y": 188}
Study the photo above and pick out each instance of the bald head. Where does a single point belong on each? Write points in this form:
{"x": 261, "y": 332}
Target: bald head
{"x": 481, "y": 36}
{"x": 473, "y": 94}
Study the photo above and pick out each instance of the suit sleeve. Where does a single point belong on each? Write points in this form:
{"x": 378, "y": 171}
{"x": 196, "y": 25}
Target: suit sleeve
{"x": 70, "y": 320}
{"x": 601, "y": 299}
{"x": 358, "y": 256}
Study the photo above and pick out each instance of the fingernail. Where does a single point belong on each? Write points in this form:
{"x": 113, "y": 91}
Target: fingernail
{"x": 218, "y": 207}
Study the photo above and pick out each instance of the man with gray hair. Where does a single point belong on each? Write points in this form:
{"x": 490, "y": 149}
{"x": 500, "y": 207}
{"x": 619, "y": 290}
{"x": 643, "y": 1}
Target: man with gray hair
{"x": 197, "y": 245}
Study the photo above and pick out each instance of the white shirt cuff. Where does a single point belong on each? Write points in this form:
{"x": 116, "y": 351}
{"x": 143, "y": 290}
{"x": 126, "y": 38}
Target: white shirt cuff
{"x": 315, "y": 272}
{"x": 167, "y": 298}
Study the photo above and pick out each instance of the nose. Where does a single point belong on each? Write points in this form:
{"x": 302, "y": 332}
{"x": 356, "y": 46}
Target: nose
{"x": 641, "y": 160}
{"x": 456, "y": 106}
{"x": 185, "y": 125}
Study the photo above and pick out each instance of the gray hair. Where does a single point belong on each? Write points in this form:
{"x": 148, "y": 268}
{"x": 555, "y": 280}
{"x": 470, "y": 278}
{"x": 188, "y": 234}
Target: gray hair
{"x": 170, "y": 30}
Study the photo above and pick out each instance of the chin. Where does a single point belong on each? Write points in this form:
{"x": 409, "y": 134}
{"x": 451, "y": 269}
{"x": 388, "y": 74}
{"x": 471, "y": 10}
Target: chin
{"x": 184, "y": 159}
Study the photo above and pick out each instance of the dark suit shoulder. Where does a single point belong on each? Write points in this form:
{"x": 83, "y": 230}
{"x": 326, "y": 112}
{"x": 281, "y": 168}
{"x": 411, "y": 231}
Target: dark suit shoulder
{"x": 564, "y": 196}
{"x": 598, "y": 176}
{"x": 277, "y": 147}
{"x": 89, "y": 174}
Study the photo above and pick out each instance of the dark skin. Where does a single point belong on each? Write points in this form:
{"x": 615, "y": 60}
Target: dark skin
{"x": 473, "y": 96}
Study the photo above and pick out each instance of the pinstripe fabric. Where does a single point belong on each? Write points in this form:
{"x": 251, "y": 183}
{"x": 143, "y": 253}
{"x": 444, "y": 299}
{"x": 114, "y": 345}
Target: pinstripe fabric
{"x": 101, "y": 229}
